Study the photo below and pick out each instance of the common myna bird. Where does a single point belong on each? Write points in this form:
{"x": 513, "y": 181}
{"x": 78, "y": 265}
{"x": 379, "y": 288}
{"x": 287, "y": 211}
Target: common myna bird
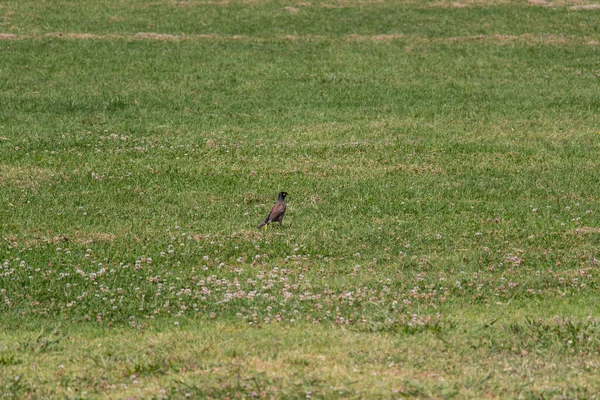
{"x": 277, "y": 212}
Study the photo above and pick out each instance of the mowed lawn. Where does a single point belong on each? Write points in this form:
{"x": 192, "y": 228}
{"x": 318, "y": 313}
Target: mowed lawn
{"x": 442, "y": 160}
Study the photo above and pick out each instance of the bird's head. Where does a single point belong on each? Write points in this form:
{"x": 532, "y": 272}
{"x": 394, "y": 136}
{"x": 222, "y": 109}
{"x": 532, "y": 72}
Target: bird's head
{"x": 282, "y": 195}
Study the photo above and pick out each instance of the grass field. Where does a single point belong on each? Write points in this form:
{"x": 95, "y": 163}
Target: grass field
{"x": 443, "y": 226}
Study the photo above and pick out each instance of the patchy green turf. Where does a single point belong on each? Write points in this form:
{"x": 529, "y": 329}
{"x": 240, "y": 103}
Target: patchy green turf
{"x": 442, "y": 234}
{"x": 533, "y": 359}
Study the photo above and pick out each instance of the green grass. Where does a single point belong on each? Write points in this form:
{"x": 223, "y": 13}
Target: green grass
{"x": 220, "y": 359}
{"x": 443, "y": 221}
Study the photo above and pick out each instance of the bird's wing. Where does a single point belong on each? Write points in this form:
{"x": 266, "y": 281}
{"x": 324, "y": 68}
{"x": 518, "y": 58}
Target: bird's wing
{"x": 277, "y": 210}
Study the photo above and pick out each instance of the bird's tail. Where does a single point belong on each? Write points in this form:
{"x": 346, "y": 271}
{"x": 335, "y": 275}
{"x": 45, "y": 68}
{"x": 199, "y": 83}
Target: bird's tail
{"x": 263, "y": 224}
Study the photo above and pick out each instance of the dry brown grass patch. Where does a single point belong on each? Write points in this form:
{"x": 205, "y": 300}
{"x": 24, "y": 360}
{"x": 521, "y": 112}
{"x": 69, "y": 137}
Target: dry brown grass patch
{"x": 412, "y": 40}
{"x": 9, "y": 36}
{"x": 385, "y": 38}
{"x": 375, "y": 38}
{"x": 199, "y": 237}
{"x": 24, "y": 176}
{"x": 587, "y": 230}
{"x": 466, "y": 3}
{"x": 292, "y": 10}
{"x": 290, "y": 37}
{"x": 315, "y": 199}
{"x": 200, "y": 3}
{"x": 527, "y": 39}
{"x": 586, "y": 7}
{"x": 76, "y": 238}
{"x": 218, "y": 3}
{"x": 84, "y": 36}
{"x": 573, "y": 4}
{"x": 543, "y": 3}
{"x": 350, "y": 3}
{"x": 453, "y": 4}
{"x": 156, "y": 36}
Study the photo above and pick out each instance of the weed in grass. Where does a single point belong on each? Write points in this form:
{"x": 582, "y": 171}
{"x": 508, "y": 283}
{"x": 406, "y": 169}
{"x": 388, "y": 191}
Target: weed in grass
{"x": 9, "y": 359}
{"x": 43, "y": 342}
{"x": 567, "y": 333}
{"x": 150, "y": 368}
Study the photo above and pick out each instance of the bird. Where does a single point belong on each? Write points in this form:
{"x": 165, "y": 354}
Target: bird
{"x": 277, "y": 212}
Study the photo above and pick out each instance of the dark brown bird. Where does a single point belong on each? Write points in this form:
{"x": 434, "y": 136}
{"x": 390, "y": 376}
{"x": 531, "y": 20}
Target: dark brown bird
{"x": 277, "y": 212}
